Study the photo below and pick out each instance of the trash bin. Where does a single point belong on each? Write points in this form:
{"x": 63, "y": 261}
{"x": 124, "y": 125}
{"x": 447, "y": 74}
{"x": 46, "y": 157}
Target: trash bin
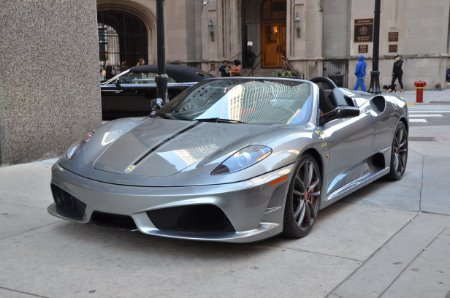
{"x": 447, "y": 77}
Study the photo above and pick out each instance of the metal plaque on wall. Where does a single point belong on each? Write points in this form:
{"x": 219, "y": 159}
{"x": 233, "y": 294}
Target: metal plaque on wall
{"x": 363, "y": 30}
{"x": 393, "y": 48}
{"x": 363, "y": 49}
{"x": 393, "y": 36}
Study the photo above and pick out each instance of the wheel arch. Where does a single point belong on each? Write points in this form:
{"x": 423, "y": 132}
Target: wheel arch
{"x": 403, "y": 119}
{"x": 315, "y": 154}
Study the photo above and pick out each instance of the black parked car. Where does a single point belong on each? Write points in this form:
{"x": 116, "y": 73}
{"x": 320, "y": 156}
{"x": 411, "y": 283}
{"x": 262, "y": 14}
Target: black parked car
{"x": 129, "y": 94}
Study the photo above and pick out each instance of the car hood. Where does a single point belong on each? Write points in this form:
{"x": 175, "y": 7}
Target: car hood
{"x": 161, "y": 148}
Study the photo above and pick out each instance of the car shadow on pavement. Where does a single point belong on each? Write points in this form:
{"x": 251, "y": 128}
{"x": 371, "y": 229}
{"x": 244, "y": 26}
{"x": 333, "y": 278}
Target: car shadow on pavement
{"x": 125, "y": 241}
{"x": 134, "y": 242}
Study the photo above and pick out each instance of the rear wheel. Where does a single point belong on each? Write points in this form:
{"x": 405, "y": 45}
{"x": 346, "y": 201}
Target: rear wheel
{"x": 303, "y": 200}
{"x": 399, "y": 154}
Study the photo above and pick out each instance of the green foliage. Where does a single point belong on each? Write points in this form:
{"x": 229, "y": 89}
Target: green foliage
{"x": 288, "y": 73}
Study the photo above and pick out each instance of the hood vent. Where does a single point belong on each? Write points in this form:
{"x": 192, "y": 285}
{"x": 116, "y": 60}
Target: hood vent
{"x": 146, "y": 154}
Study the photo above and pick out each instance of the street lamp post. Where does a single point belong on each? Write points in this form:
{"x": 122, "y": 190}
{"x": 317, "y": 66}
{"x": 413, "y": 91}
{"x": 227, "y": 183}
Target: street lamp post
{"x": 161, "y": 78}
{"x": 375, "y": 73}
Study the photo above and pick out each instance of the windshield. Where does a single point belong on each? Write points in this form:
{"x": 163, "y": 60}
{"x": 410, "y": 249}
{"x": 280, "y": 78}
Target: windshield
{"x": 141, "y": 78}
{"x": 243, "y": 100}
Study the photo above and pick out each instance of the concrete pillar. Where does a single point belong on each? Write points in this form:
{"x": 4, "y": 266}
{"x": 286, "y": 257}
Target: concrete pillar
{"x": 49, "y": 82}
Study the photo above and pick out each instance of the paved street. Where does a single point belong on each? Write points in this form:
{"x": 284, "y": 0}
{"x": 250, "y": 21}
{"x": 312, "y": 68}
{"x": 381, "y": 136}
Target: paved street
{"x": 389, "y": 239}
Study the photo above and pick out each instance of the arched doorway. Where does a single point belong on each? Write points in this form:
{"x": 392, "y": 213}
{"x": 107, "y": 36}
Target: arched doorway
{"x": 122, "y": 37}
{"x": 263, "y": 33}
{"x": 273, "y": 33}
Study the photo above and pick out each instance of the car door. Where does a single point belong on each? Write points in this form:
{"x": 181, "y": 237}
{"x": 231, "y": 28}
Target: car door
{"x": 128, "y": 96}
{"x": 349, "y": 142}
{"x": 124, "y": 101}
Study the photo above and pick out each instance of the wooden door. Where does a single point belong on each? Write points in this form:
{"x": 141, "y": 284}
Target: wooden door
{"x": 273, "y": 44}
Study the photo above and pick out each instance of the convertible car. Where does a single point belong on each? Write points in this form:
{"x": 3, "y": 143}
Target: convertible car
{"x": 129, "y": 93}
{"x": 233, "y": 159}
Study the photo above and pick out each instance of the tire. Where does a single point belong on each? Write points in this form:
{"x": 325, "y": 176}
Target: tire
{"x": 303, "y": 199}
{"x": 399, "y": 153}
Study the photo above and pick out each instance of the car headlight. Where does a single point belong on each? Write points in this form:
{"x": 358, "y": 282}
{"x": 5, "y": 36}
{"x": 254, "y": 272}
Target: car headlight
{"x": 242, "y": 159}
{"x": 76, "y": 148}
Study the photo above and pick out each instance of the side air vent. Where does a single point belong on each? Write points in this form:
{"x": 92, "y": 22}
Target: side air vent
{"x": 378, "y": 103}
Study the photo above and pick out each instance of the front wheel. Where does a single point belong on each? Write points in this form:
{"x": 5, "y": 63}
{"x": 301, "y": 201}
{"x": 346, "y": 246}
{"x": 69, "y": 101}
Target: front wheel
{"x": 399, "y": 154}
{"x": 303, "y": 200}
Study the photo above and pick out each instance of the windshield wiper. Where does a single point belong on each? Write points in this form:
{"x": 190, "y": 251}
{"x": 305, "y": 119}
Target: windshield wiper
{"x": 163, "y": 115}
{"x": 218, "y": 120}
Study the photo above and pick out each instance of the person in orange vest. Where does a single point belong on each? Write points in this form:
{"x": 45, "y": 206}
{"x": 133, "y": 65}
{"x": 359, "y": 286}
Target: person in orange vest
{"x": 236, "y": 68}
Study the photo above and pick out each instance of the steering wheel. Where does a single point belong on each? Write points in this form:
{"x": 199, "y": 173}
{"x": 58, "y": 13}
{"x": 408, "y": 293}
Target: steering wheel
{"x": 326, "y": 81}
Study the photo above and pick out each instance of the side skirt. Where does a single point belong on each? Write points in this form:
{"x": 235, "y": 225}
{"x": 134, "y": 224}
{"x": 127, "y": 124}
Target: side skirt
{"x": 353, "y": 186}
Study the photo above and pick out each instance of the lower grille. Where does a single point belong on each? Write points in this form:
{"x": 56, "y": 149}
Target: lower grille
{"x": 113, "y": 220}
{"x": 197, "y": 218}
{"x": 67, "y": 205}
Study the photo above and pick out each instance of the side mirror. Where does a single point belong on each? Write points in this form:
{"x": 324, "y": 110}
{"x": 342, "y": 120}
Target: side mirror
{"x": 118, "y": 83}
{"x": 339, "y": 113}
{"x": 157, "y": 104}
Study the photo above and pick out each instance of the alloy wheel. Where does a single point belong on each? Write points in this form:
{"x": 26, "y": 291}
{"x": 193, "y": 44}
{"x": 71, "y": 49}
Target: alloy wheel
{"x": 399, "y": 153}
{"x": 400, "y": 150}
{"x": 306, "y": 194}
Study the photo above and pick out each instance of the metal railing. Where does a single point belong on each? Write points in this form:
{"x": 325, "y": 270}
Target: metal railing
{"x": 255, "y": 65}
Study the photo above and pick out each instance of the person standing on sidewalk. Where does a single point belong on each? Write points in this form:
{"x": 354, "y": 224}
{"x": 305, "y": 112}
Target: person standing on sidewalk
{"x": 236, "y": 68}
{"x": 109, "y": 70}
{"x": 397, "y": 73}
{"x": 225, "y": 69}
{"x": 360, "y": 73}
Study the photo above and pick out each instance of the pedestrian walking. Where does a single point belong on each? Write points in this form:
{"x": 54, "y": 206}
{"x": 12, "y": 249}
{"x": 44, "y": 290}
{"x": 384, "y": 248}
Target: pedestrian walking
{"x": 397, "y": 73}
{"x": 360, "y": 73}
{"x": 109, "y": 70}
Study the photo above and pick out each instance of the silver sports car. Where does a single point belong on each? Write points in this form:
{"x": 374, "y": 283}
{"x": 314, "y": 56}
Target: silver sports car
{"x": 233, "y": 159}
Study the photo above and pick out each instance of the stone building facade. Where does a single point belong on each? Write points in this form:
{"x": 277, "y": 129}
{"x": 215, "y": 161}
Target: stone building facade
{"x": 51, "y": 51}
{"x": 49, "y": 91}
{"x": 317, "y": 36}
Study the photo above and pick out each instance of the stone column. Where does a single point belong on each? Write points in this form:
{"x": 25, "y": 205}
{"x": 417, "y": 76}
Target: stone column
{"x": 49, "y": 77}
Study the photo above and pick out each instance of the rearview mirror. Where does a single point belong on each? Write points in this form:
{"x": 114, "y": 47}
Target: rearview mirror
{"x": 339, "y": 113}
{"x": 157, "y": 104}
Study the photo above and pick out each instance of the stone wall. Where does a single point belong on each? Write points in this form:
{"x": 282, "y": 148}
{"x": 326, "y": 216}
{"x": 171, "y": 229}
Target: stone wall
{"x": 49, "y": 83}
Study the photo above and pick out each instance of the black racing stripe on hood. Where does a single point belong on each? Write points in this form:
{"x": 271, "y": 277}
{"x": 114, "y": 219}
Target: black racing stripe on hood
{"x": 164, "y": 142}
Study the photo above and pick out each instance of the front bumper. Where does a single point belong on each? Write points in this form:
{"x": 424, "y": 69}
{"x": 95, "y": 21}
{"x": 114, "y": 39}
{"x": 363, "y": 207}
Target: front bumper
{"x": 254, "y": 208}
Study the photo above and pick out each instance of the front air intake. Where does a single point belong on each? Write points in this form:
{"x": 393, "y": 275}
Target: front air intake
{"x": 67, "y": 205}
{"x": 113, "y": 220}
{"x": 196, "y": 219}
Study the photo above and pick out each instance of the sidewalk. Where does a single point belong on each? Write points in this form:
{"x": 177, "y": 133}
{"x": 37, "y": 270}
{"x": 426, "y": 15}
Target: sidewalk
{"x": 429, "y": 96}
{"x": 386, "y": 240}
